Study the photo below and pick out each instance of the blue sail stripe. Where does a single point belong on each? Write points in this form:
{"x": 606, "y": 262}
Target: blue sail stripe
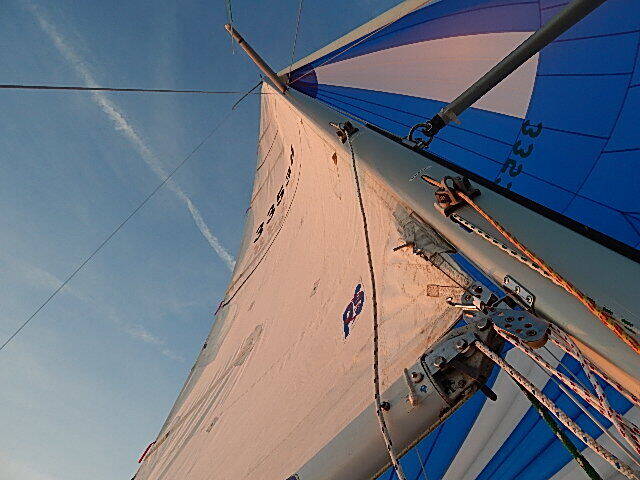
{"x": 336, "y": 91}
{"x": 543, "y": 448}
{"x": 576, "y": 57}
{"x": 614, "y": 16}
{"x": 441, "y": 20}
{"x": 515, "y": 17}
{"x": 445, "y": 138}
{"x": 615, "y": 123}
{"x": 325, "y": 89}
{"x": 495, "y": 126}
{"x": 338, "y": 102}
{"x": 555, "y": 199}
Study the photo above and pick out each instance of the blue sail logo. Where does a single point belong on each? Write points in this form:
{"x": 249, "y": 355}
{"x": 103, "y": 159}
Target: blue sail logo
{"x": 353, "y": 309}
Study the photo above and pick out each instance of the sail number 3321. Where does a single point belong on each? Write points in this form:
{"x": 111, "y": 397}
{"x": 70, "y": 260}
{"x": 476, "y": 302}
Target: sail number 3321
{"x": 522, "y": 148}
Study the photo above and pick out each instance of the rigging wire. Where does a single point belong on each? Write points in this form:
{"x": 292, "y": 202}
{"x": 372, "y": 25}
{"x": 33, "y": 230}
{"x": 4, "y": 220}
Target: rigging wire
{"x": 113, "y": 89}
{"x": 597, "y": 400}
{"x": 116, "y": 230}
{"x": 295, "y": 37}
{"x": 374, "y": 301}
{"x": 574, "y": 397}
{"x": 625, "y": 427}
{"x": 227, "y": 5}
{"x": 422, "y": 469}
{"x": 250, "y": 92}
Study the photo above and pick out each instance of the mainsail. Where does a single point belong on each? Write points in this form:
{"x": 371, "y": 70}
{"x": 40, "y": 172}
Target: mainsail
{"x": 283, "y": 385}
{"x": 287, "y": 365}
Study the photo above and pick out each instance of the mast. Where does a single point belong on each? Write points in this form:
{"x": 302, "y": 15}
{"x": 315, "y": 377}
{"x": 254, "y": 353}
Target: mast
{"x": 253, "y": 55}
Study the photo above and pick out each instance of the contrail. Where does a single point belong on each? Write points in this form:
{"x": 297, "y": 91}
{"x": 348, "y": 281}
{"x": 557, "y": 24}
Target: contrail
{"x": 126, "y": 129}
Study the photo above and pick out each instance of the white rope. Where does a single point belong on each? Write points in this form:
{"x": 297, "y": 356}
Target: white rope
{"x": 572, "y": 349}
{"x": 627, "y": 429}
{"x": 295, "y": 37}
{"x": 620, "y": 466}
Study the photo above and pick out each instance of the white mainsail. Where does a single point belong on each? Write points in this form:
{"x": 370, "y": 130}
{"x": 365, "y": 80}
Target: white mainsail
{"x": 279, "y": 377}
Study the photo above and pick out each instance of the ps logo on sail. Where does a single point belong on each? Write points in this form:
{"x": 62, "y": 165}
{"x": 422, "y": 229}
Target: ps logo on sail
{"x": 353, "y": 309}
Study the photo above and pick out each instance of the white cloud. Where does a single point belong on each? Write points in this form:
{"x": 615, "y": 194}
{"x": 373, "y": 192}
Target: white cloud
{"x": 12, "y": 469}
{"x": 126, "y": 129}
{"x": 172, "y": 355}
{"x": 140, "y": 333}
{"x": 39, "y": 278}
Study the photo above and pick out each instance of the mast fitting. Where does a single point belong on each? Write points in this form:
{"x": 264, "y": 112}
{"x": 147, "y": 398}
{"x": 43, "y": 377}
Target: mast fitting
{"x": 447, "y": 195}
{"x": 344, "y": 130}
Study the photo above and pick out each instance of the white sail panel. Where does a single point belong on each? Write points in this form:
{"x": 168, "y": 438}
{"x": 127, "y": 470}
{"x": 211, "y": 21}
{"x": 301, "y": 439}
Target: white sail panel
{"x": 281, "y": 375}
{"x": 424, "y": 70}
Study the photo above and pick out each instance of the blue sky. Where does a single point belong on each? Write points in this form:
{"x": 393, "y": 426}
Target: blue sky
{"x": 88, "y": 383}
